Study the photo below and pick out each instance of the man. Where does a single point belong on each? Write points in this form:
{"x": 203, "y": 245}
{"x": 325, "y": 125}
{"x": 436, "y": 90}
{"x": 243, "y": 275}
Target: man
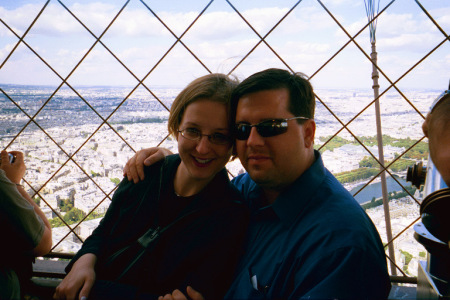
{"x": 308, "y": 238}
{"x": 436, "y": 128}
{"x": 26, "y": 231}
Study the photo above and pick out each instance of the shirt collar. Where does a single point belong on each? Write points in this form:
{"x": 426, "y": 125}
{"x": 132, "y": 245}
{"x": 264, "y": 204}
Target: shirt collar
{"x": 292, "y": 201}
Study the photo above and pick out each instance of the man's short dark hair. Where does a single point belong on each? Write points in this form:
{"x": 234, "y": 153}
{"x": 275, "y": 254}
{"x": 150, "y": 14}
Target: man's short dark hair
{"x": 440, "y": 116}
{"x": 301, "y": 95}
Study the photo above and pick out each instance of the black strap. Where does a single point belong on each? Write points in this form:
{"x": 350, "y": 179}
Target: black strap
{"x": 135, "y": 251}
{"x": 152, "y": 234}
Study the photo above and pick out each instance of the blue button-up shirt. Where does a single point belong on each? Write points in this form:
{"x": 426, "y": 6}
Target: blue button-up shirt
{"x": 314, "y": 242}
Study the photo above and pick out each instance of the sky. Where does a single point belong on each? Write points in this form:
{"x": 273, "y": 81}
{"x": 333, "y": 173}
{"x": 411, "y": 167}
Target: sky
{"x": 305, "y": 39}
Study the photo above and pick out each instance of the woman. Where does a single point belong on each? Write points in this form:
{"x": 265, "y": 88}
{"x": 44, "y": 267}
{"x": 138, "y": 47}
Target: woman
{"x": 188, "y": 203}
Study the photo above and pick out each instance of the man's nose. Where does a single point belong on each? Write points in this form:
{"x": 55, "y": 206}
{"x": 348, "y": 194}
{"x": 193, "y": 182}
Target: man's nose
{"x": 255, "y": 139}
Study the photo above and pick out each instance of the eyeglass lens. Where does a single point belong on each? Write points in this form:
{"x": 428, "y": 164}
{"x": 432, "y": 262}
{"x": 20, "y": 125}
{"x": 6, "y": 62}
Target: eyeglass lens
{"x": 195, "y": 135}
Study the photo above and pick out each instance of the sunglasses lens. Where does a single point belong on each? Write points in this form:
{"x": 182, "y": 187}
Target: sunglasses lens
{"x": 242, "y": 131}
{"x": 271, "y": 128}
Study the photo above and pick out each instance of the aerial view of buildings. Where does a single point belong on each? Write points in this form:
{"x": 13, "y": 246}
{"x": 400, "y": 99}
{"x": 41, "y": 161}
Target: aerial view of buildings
{"x": 75, "y": 155}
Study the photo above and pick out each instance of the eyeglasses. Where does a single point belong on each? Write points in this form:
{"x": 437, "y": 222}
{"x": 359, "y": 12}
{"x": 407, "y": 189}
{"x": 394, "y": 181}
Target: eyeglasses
{"x": 438, "y": 99}
{"x": 266, "y": 128}
{"x": 194, "y": 134}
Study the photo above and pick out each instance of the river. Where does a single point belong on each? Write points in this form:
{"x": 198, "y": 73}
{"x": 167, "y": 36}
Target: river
{"x": 374, "y": 189}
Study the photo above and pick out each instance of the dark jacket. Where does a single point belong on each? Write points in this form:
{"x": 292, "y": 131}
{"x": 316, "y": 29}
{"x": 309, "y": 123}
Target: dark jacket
{"x": 200, "y": 250}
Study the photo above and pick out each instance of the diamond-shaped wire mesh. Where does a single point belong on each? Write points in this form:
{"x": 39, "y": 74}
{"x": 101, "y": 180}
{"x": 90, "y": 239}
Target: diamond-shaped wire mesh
{"x": 77, "y": 135}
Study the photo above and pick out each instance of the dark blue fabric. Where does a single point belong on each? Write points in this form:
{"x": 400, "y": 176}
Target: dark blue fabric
{"x": 314, "y": 242}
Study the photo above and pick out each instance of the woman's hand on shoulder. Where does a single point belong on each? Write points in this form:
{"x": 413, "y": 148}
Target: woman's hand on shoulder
{"x": 134, "y": 168}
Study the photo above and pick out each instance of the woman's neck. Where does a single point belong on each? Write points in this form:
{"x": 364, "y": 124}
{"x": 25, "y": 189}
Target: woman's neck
{"x": 184, "y": 185}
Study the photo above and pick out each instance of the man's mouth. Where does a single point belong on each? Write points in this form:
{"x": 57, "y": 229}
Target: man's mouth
{"x": 257, "y": 156}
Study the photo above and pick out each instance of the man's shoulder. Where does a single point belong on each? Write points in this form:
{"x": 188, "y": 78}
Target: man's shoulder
{"x": 330, "y": 187}
{"x": 332, "y": 202}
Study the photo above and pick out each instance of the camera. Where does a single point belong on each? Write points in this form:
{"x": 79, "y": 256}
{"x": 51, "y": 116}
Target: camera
{"x": 12, "y": 158}
{"x": 416, "y": 174}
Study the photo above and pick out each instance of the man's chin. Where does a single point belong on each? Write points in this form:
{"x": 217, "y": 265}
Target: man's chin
{"x": 259, "y": 177}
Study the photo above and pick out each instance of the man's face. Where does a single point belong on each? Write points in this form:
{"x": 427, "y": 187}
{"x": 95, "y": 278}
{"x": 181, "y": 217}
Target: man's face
{"x": 273, "y": 162}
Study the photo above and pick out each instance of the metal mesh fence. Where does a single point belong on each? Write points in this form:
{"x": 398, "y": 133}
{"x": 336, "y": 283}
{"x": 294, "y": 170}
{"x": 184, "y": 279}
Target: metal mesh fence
{"x": 77, "y": 136}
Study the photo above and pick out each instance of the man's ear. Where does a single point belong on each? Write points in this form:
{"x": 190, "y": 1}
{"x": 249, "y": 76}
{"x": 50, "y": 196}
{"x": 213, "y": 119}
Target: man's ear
{"x": 309, "y": 129}
{"x": 426, "y": 124}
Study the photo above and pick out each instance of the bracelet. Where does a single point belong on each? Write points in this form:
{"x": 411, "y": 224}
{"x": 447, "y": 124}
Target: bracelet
{"x": 18, "y": 184}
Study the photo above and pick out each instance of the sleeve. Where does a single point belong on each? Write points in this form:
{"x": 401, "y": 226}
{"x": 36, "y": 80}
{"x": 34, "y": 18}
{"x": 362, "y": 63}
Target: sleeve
{"x": 96, "y": 241}
{"x": 345, "y": 273}
{"x": 124, "y": 203}
{"x": 27, "y": 227}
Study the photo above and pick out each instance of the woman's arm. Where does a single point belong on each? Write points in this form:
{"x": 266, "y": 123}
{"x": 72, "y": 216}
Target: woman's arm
{"x": 80, "y": 279}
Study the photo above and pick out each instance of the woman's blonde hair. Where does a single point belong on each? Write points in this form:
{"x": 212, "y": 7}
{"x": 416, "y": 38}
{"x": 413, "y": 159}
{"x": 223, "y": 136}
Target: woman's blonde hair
{"x": 214, "y": 87}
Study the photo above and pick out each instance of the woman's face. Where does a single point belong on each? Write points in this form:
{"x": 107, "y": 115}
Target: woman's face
{"x": 202, "y": 159}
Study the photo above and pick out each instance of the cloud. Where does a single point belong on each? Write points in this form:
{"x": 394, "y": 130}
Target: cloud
{"x": 4, "y": 52}
{"x": 413, "y": 42}
{"x": 57, "y": 21}
{"x": 263, "y": 19}
{"x": 220, "y": 38}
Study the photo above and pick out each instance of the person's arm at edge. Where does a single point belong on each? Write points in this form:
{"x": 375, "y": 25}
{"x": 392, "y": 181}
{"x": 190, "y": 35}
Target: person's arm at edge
{"x": 14, "y": 172}
{"x": 134, "y": 168}
{"x": 45, "y": 244}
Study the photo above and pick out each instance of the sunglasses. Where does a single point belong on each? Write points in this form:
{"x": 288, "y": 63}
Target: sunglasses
{"x": 266, "y": 128}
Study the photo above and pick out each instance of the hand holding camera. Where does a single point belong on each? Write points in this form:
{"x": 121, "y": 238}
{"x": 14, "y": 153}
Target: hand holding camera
{"x": 13, "y": 165}
{"x": 12, "y": 158}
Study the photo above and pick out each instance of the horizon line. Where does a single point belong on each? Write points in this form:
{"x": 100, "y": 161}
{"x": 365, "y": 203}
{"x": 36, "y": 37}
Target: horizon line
{"x": 181, "y": 87}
